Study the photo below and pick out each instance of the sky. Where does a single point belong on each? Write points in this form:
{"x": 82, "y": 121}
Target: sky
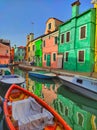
{"x": 18, "y": 18}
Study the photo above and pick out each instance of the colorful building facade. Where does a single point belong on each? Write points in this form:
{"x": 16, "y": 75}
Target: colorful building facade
{"x": 12, "y": 54}
{"x": 77, "y": 40}
{"x": 38, "y": 51}
{"x": 4, "y": 51}
{"x": 30, "y": 38}
{"x": 50, "y": 43}
{"x": 95, "y": 6}
{"x": 19, "y": 53}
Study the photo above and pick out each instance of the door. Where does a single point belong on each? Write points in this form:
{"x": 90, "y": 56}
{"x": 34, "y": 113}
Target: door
{"x": 48, "y": 63}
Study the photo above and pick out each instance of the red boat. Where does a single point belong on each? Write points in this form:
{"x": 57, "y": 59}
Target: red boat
{"x": 24, "y": 110}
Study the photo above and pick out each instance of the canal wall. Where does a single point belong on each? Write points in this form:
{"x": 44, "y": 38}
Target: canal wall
{"x": 57, "y": 71}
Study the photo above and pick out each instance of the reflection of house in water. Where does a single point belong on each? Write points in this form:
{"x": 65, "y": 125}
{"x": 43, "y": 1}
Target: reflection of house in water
{"x": 30, "y": 84}
{"x": 75, "y": 116}
{"x": 34, "y": 86}
{"x": 49, "y": 92}
{"x": 38, "y": 89}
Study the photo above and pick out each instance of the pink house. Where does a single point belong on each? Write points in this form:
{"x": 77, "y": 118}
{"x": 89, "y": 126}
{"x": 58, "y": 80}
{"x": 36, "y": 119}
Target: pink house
{"x": 4, "y": 51}
{"x": 50, "y": 43}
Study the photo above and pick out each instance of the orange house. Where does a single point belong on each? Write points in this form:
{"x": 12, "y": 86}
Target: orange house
{"x": 4, "y": 51}
{"x": 50, "y": 43}
{"x": 12, "y": 54}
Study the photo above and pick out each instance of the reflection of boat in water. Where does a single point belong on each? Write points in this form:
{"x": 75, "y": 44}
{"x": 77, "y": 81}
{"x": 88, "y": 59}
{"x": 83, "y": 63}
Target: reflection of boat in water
{"x": 82, "y": 101}
{"x": 42, "y": 81}
{"x": 42, "y": 74}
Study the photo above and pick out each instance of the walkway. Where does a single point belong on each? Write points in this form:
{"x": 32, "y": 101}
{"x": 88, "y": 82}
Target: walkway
{"x": 58, "y": 71}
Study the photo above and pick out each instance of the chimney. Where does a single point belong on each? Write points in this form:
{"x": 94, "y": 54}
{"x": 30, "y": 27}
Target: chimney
{"x": 75, "y": 8}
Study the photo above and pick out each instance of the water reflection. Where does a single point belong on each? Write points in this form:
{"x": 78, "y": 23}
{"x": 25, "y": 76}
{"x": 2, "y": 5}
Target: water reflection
{"x": 79, "y": 112}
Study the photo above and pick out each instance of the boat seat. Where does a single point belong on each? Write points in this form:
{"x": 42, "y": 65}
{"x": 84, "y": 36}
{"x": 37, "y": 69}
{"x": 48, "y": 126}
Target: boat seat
{"x": 31, "y": 115}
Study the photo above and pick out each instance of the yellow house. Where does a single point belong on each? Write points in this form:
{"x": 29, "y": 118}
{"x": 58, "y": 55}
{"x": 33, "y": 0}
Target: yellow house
{"x": 29, "y": 44}
{"x": 31, "y": 51}
{"x": 95, "y": 6}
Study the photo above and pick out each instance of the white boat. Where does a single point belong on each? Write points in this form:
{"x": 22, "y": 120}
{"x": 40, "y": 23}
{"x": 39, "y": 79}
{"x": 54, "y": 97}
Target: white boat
{"x": 12, "y": 79}
{"x": 82, "y": 84}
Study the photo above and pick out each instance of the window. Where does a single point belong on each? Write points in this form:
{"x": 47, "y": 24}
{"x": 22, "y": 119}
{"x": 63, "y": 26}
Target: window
{"x": 56, "y": 40}
{"x": 6, "y": 51}
{"x": 82, "y": 32}
{"x": 43, "y": 43}
{"x": 33, "y": 47}
{"x": 54, "y": 57}
{"x": 44, "y": 56}
{"x": 81, "y": 56}
{"x": 28, "y": 49}
{"x": 67, "y": 36}
{"x": 62, "y": 38}
{"x": 66, "y": 56}
{"x": 49, "y": 26}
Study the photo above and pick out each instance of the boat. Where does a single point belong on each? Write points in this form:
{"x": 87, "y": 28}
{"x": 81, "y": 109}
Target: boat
{"x": 5, "y": 71}
{"x": 42, "y": 74}
{"x": 24, "y": 110}
{"x": 3, "y": 65}
{"x": 12, "y": 79}
{"x": 85, "y": 85}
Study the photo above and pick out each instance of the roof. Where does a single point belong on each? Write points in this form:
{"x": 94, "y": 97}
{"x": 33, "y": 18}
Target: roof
{"x": 55, "y": 19}
{"x": 22, "y": 47}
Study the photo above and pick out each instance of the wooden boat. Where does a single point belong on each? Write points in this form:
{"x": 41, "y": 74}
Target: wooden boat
{"x": 82, "y": 84}
{"x": 42, "y": 74}
{"x": 12, "y": 79}
{"x": 24, "y": 110}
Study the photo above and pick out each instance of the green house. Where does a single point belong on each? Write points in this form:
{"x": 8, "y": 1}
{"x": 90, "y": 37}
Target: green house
{"x": 38, "y": 51}
{"x": 77, "y": 40}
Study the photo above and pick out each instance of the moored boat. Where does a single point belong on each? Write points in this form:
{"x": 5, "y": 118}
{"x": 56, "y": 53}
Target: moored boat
{"x": 42, "y": 74}
{"x": 82, "y": 84}
{"x": 24, "y": 110}
{"x": 3, "y": 65}
{"x": 12, "y": 79}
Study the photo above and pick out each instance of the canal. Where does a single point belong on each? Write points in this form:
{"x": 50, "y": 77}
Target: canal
{"x": 78, "y": 111}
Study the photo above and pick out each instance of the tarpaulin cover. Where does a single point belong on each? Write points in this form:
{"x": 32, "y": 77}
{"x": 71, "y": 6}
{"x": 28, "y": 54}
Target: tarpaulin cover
{"x": 31, "y": 115}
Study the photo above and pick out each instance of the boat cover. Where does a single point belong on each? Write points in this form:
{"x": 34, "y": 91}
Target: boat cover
{"x": 30, "y": 115}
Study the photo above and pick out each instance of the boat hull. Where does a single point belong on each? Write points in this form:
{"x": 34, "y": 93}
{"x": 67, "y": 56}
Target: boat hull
{"x": 8, "y": 98}
{"x": 12, "y": 79}
{"x": 84, "y": 91}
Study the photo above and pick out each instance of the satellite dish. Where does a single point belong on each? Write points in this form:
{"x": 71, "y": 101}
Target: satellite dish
{"x": 94, "y": 1}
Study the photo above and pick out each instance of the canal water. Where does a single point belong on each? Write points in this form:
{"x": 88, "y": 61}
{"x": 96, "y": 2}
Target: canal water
{"x": 78, "y": 111}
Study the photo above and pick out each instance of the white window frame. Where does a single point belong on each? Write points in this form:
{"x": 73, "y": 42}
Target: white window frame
{"x": 80, "y": 32}
{"x": 65, "y": 56}
{"x": 78, "y": 56}
{"x": 60, "y": 38}
{"x": 66, "y": 37}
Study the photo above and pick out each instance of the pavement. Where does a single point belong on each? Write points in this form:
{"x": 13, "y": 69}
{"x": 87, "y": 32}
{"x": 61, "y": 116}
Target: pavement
{"x": 59, "y": 71}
